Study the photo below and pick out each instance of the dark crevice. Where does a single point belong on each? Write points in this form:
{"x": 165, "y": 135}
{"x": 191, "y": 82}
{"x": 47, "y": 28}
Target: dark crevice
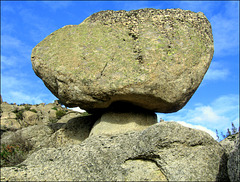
{"x": 135, "y": 37}
{"x": 104, "y": 68}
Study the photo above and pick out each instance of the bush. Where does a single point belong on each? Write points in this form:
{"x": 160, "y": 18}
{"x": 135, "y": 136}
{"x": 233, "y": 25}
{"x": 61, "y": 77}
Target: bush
{"x": 85, "y": 114}
{"x": 19, "y": 113}
{"x": 60, "y": 113}
{"x": 54, "y": 108}
{"x": 27, "y": 107}
{"x": 15, "y": 152}
{"x": 33, "y": 110}
{"x": 53, "y": 120}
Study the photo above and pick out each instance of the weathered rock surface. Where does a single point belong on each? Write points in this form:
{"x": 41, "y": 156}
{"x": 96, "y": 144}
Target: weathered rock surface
{"x": 152, "y": 58}
{"x": 229, "y": 143}
{"x": 73, "y": 132}
{"x": 164, "y": 151}
{"x": 234, "y": 161}
{"x": 112, "y": 123}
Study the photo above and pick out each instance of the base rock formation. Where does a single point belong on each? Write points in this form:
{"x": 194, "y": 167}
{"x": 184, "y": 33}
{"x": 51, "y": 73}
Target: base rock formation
{"x": 231, "y": 145}
{"x": 152, "y": 58}
{"x": 165, "y": 151}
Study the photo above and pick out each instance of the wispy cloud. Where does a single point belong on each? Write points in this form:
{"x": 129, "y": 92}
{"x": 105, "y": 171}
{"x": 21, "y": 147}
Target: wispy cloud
{"x": 21, "y": 97}
{"x": 225, "y": 27}
{"x": 11, "y": 45}
{"x": 18, "y": 88}
{"x": 39, "y": 27}
{"x": 199, "y": 127}
{"x": 216, "y": 72}
{"x": 8, "y": 61}
{"x": 217, "y": 115}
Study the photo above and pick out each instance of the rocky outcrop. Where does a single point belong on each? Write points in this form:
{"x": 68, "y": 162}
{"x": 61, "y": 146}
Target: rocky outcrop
{"x": 75, "y": 131}
{"x": 231, "y": 145}
{"x": 15, "y": 117}
{"x": 152, "y": 58}
{"x": 234, "y": 161}
{"x": 164, "y": 151}
{"x": 35, "y": 135}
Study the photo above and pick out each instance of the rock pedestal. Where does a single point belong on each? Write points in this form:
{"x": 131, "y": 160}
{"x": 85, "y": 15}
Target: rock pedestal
{"x": 113, "y": 123}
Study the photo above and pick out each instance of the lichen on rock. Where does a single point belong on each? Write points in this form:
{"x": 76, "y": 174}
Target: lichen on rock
{"x": 152, "y": 58}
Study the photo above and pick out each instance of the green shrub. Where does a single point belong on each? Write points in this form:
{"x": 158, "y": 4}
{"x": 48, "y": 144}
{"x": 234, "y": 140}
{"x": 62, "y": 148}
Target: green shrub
{"x": 27, "y": 107}
{"x": 85, "y": 114}
{"x": 54, "y": 108}
{"x": 33, "y": 110}
{"x": 53, "y": 120}
{"x": 19, "y": 113}
{"x": 15, "y": 152}
{"x": 60, "y": 113}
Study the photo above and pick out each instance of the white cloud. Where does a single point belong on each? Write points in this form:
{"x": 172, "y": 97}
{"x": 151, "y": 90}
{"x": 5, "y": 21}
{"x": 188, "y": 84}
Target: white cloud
{"x": 12, "y": 82}
{"x": 8, "y": 61}
{"x": 18, "y": 88}
{"x": 217, "y": 71}
{"x": 8, "y": 41}
{"x": 77, "y": 109}
{"x": 199, "y": 127}
{"x": 20, "y": 97}
{"x": 217, "y": 115}
{"x": 225, "y": 26}
{"x": 13, "y": 46}
{"x": 216, "y": 74}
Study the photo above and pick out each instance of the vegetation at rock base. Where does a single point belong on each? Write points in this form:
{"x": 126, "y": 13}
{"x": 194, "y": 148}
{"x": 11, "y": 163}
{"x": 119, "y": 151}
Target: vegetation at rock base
{"x": 85, "y": 114}
{"x": 15, "y": 152}
{"x": 229, "y": 132}
{"x": 60, "y": 113}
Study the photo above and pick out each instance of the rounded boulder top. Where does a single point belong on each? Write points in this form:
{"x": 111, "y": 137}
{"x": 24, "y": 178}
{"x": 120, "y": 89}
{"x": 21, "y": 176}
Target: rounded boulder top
{"x": 151, "y": 58}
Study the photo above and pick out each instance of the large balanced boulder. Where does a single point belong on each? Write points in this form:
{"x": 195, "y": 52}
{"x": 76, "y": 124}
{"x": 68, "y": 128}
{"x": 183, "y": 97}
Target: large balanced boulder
{"x": 152, "y": 58}
{"x": 165, "y": 151}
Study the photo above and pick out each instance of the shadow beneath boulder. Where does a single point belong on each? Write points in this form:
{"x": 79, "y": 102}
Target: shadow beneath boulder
{"x": 73, "y": 132}
{"x": 56, "y": 126}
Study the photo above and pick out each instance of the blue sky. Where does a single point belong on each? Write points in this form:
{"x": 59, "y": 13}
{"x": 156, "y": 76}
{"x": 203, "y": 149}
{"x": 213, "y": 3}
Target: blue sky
{"x": 25, "y": 23}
